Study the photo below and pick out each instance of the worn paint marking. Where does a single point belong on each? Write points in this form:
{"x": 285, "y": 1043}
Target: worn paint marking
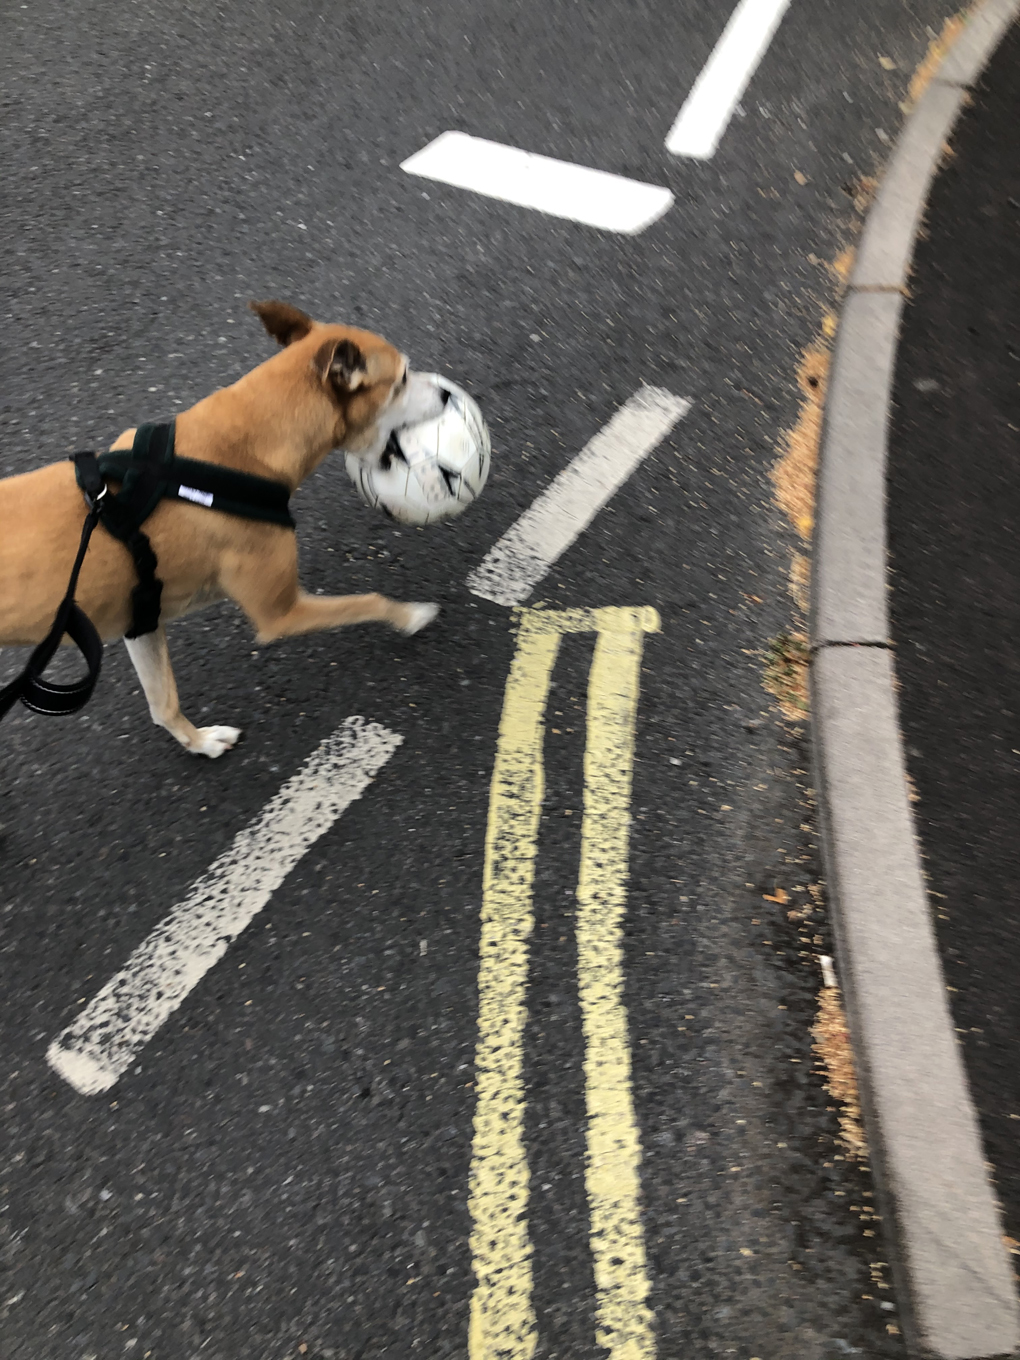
{"x": 520, "y": 559}
{"x": 623, "y": 1319}
{"x": 503, "y": 1324}
{"x": 502, "y": 1318}
{"x": 94, "y": 1051}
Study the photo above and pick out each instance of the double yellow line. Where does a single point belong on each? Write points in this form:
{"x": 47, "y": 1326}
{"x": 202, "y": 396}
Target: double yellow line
{"x": 503, "y": 1324}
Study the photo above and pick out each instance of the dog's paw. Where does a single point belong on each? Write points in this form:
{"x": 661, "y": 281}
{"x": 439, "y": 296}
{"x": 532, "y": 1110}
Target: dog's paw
{"x": 213, "y": 741}
{"x": 418, "y": 617}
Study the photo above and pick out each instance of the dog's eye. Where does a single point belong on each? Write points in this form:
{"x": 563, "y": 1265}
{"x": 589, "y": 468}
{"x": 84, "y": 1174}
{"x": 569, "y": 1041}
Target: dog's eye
{"x": 403, "y": 380}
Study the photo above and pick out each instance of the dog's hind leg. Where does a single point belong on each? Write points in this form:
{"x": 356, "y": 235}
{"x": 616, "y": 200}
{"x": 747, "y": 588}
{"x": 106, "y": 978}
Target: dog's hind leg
{"x": 151, "y": 659}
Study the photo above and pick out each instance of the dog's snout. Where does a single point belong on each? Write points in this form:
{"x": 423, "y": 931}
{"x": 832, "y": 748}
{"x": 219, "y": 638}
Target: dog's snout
{"x": 444, "y": 396}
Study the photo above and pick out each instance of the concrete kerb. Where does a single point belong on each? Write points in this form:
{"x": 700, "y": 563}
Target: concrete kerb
{"x": 955, "y": 1281}
{"x": 849, "y": 595}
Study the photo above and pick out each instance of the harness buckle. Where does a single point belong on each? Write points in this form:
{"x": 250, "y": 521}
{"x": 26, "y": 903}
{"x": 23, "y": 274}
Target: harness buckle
{"x": 93, "y": 501}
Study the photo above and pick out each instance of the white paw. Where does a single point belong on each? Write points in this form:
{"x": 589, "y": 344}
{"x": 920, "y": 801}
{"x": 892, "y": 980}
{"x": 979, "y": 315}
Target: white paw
{"x": 420, "y": 616}
{"x": 213, "y": 741}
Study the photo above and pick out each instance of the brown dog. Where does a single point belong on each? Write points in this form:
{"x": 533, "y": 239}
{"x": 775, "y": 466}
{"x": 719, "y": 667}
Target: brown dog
{"x": 331, "y": 387}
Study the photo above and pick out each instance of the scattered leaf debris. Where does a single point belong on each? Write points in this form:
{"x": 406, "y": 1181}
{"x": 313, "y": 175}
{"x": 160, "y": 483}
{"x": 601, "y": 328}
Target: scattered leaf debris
{"x": 786, "y": 674}
{"x": 937, "y": 49}
{"x": 800, "y": 581}
{"x": 794, "y": 474}
{"x": 832, "y": 1044}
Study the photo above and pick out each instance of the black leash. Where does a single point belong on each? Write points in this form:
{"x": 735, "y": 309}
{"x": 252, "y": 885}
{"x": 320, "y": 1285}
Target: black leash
{"x": 31, "y": 687}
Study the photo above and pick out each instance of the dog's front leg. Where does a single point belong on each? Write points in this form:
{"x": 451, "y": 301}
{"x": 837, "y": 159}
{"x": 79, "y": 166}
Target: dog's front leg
{"x": 267, "y": 589}
{"x": 310, "y": 613}
{"x": 151, "y": 659}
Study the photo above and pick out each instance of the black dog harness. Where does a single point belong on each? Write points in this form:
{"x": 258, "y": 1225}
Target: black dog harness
{"x": 148, "y": 472}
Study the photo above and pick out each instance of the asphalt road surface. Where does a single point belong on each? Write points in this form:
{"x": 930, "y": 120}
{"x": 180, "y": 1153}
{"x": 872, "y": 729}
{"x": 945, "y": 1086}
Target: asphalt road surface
{"x": 956, "y": 589}
{"x": 285, "y": 1168}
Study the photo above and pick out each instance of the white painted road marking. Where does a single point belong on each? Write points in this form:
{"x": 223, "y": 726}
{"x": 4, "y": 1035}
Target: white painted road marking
{"x": 709, "y": 107}
{"x": 94, "y": 1051}
{"x": 513, "y": 567}
{"x": 593, "y": 197}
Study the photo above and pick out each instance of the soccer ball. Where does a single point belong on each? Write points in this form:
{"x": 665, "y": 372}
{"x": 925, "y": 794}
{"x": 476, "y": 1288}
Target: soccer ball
{"x": 430, "y": 471}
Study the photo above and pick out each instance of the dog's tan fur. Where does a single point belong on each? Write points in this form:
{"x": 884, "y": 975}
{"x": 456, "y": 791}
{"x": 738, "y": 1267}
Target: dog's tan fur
{"x": 329, "y": 387}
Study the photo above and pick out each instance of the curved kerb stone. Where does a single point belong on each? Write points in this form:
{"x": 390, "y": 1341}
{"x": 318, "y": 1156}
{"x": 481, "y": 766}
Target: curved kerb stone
{"x": 954, "y": 1278}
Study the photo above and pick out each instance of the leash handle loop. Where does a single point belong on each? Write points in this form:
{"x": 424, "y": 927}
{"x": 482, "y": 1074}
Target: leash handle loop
{"x": 31, "y": 687}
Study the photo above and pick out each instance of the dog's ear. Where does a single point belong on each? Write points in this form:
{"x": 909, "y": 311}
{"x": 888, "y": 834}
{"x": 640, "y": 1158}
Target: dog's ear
{"x": 342, "y": 363}
{"x": 283, "y": 322}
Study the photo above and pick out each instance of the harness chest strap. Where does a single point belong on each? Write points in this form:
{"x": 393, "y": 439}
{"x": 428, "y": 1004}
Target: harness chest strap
{"x": 149, "y": 472}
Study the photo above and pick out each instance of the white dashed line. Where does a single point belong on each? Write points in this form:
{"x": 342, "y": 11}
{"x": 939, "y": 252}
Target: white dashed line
{"x": 93, "y": 1052}
{"x": 593, "y": 197}
{"x": 513, "y": 567}
{"x": 709, "y": 107}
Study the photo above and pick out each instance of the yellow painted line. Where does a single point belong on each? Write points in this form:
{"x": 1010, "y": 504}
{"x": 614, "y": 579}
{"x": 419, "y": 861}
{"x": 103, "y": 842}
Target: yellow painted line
{"x": 503, "y": 1325}
{"x": 623, "y": 1318}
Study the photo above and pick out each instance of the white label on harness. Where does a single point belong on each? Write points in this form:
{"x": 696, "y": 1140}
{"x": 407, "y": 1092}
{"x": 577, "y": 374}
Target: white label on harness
{"x": 189, "y": 493}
